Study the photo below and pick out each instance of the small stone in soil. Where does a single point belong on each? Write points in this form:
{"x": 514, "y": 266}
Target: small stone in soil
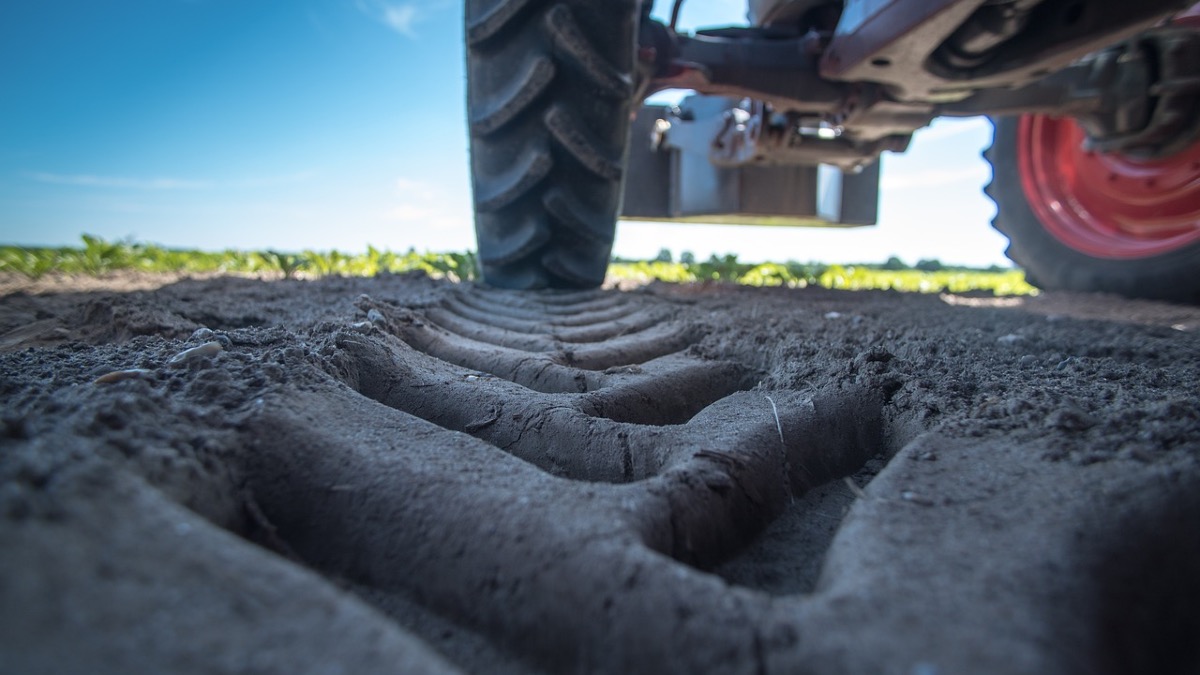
{"x": 188, "y": 355}
{"x": 122, "y": 375}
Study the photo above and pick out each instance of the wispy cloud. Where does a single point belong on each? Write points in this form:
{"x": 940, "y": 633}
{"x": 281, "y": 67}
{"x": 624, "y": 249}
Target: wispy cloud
{"x": 411, "y": 187}
{"x": 89, "y": 180}
{"x": 164, "y": 183}
{"x": 424, "y": 202}
{"x": 418, "y": 200}
{"x": 407, "y": 213}
{"x": 275, "y": 181}
{"x": 401, "y": 17}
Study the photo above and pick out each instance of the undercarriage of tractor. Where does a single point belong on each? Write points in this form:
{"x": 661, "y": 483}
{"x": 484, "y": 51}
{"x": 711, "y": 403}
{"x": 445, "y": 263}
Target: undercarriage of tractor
{"x": 819, "y": 91}
{"x": 1096, "y": 103}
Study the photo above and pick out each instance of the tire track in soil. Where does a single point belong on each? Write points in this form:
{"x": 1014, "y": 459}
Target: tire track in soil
{"x": 668, "y": 461}
{"x": 579, "y": 481}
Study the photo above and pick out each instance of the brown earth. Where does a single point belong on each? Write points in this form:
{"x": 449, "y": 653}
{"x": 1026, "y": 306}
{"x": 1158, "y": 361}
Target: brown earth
{"x": 406, "y": 475}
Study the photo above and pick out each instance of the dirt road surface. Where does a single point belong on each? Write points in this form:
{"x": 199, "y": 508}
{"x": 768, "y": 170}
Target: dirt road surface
{"x": 407, "y": 475}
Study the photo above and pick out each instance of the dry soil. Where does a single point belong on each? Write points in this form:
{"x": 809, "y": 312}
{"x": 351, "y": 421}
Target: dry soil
{"x": 406, "y": 475}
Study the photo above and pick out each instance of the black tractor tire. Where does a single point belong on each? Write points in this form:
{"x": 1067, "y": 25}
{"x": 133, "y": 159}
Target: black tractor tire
{"x": 550, "y": 95}
{"x": 1050, "y": 263}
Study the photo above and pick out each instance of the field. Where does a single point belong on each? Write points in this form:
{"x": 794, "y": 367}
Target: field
{"x": 97, "y": 256}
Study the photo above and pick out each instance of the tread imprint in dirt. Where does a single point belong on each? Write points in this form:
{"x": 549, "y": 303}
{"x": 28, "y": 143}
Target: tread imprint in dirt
{"x": 606, "y": 369}
{"x": 602, "y": 388}
{"x": 524, "y": 468}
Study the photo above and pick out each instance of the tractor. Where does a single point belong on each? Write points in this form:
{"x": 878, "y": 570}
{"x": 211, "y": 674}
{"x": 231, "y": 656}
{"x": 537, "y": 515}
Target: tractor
{"x": 1095, "y": 104}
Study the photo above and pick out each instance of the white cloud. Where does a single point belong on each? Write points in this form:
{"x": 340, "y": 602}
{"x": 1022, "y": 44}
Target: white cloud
{"x": 401, "y": 17}
{"x": 420, "y": 201}
{"x": 276, "y": 180}
{"x": 408, "y": 186}
{"x": 407, "y": 213}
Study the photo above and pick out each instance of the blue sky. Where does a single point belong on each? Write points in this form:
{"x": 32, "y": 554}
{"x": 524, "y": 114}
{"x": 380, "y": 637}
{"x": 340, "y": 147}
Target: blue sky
{"x": 322, "y": 124}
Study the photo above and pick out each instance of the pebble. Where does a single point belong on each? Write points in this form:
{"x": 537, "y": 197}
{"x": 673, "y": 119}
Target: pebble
{"x": 1010, "y": 339}
{"x": 122, "y": 375}
{"x": 376, "y": 317}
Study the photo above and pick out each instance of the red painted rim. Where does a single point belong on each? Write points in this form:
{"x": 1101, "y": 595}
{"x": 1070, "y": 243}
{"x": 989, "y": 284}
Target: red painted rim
{"x": 1107, "y": 205}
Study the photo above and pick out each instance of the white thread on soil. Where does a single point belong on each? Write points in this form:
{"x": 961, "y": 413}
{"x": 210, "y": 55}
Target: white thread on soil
{"x": 778, "y": 424}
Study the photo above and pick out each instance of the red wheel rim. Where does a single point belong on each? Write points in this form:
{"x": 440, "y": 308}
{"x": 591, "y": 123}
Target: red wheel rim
{"x": 1107, "y": 205}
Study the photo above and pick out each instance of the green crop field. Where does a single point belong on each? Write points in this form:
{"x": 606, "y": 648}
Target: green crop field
{"x": 97, "y": 257}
